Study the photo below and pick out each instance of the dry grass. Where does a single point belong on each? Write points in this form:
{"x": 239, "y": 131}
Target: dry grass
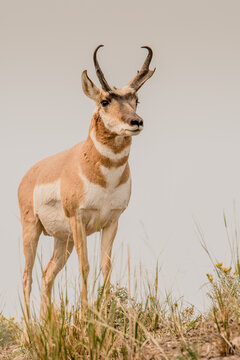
{"x": 117, "y": 326}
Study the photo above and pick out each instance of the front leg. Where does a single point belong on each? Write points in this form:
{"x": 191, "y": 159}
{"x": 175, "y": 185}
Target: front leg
{"x": 108, "y": 236}
{"x": 80, "y": 242}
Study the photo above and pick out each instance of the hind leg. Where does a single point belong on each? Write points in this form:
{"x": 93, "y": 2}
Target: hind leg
{"x": 31, "y": 234}
{"x": 31, "y": 230}
{"x": 61, "y": 252}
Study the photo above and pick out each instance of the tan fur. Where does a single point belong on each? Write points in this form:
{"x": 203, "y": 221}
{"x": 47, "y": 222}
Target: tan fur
{"x": 81, "y": 190}
{"x": 65, "y": 167}
{"x": 106, "y": 137}
{"x": 125, "y": 175}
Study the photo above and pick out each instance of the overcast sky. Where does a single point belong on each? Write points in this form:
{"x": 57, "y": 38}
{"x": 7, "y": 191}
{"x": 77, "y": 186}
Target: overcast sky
{"x": 185, "y": 164}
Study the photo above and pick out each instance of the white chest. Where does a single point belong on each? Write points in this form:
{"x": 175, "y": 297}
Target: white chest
{"x": 100, "y": 204}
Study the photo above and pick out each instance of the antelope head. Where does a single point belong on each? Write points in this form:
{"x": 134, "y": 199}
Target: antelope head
{"x": 117, "y": 106}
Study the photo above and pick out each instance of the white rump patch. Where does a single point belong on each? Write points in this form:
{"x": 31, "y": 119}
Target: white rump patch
{"x": 45, "y": 194}
{"x": 48, "y": 207}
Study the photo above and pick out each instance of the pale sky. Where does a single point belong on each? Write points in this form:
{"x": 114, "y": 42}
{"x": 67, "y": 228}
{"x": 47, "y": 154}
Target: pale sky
{"x": 185, "y": 164}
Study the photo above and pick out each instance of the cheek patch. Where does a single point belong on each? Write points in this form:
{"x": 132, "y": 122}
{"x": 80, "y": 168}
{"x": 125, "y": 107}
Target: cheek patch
{"x": 112, "y": 124}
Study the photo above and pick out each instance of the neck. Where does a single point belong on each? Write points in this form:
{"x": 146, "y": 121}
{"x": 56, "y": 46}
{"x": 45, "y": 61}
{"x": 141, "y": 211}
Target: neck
{"x": 106, "y": 142}
{"x": 104, "y": 154}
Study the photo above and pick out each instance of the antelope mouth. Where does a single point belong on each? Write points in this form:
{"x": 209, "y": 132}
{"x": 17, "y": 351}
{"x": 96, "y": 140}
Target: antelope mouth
{"x": 134, "y": 131}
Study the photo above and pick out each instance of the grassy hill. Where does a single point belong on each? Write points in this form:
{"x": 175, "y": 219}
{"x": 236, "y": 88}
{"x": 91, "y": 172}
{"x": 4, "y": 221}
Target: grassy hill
{"x": 116, "y": 326}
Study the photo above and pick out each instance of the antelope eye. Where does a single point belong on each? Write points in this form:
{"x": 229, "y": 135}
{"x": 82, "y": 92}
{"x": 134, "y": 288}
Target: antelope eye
{"x": 137, "y": 102}
{"x": 104, "y": 103}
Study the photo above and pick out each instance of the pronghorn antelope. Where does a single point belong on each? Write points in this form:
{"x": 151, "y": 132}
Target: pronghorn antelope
{"x": 85, "y": 189}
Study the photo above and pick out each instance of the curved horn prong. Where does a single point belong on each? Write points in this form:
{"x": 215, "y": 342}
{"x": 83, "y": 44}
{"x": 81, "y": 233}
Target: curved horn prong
{"x": 99, "y": 72}
{"x": 148, "y": 58}
{"x": 144, "y": 74}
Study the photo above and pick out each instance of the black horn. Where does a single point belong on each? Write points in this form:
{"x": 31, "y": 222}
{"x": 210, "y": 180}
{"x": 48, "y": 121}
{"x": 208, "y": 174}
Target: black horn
{"x": 144, "y": 74}
{"x": 99, "y": 72}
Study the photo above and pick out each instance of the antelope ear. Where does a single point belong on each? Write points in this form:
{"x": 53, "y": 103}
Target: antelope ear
{"x": 89, "y": 88}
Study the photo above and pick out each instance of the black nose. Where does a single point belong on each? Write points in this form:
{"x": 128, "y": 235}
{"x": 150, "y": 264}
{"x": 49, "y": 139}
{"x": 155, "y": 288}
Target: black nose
{"x": 136, "y": 122}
